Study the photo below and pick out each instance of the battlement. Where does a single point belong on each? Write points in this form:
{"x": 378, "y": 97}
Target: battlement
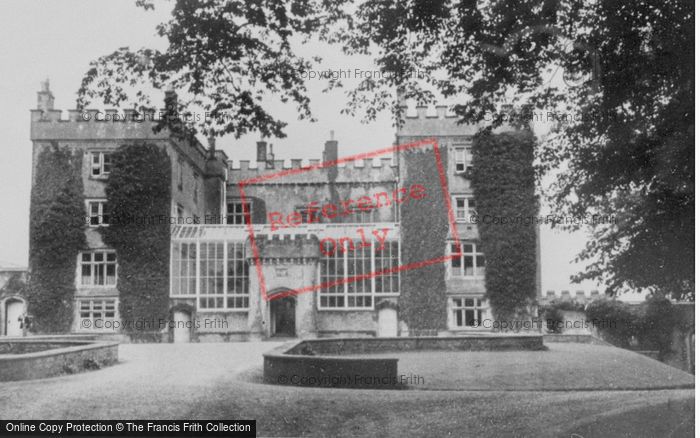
{"x": 95, "y": 115}
{"x": 428, "y": 112}
{"x": 422, "y": 121}
{"x": 432, "y": 121}
{"x": 579, "y": 295}
{"x": 49, "y": 124}
{"x": 92, "y": 124}
{"x": 302, "y": 163}
{"x": 369, "y": 170}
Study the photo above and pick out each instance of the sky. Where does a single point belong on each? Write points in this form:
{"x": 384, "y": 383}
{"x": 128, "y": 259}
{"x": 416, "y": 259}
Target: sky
{"x": 42, "y": 39}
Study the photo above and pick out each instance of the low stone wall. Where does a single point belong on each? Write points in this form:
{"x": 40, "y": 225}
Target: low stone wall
{"x": 345, "y": 346}
{"x": 579, "y": 339}
{"x": 334, "y": 362}
{"x": 281, "y": 368}
{"x": 65, "y": 357}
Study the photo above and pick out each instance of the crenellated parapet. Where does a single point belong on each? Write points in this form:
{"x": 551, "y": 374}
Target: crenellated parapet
{"x": 109, "y": 125}
{"x": 48, "y": 125}
{"x": 439, "y": 121}
{"x": 579, "y": 295}
{"x": 272, "y": 248}
{"x": 89, "y": 124}
{"x": 300, "y": 171}
{"x": 432, "y": 121}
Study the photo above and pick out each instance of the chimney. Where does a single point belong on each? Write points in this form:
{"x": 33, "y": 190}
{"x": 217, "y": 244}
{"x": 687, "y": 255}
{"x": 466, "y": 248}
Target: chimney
{"x": 270, "y": 160}
{"x": 330, "y": 151}
{"x": 262, "y": 151}
{"x": 212, "y": 146}
{"x": 45, "y": 97}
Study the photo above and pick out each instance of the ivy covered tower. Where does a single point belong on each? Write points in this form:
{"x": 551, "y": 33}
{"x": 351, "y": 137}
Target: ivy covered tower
{"x": 452, "y": 296}
{"x": 81, "y": 145}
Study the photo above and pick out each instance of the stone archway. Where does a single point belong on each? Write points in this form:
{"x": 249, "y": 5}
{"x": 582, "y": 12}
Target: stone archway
{"x": 181, "y": 324}
{"x": 387, "y": 319}
{"x": 282, "y": 314}
{"x": 14, "y": 310}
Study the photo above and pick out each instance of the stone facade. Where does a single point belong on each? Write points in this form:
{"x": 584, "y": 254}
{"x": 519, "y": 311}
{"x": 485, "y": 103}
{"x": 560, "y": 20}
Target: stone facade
{"x": 245, "y": 243}
{"x": 13, "y": 304}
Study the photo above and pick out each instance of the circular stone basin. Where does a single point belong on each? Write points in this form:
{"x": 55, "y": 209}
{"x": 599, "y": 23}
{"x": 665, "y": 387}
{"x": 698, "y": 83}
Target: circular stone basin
{"x": 372, "y": 362}
{"x": 557, "y": 367}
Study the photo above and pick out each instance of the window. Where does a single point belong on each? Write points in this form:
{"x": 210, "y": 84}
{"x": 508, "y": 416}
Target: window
{"x": 100, "y": 164}
{"x": 467, "y": 312}
{"x": 332, "y": 271}
{"x": 184, "y": 269}
{"x": 463, "y": 159}
{"x": 387, "y": 259}
{"x": 237, "y": 280}
{"x": 472, "y": 262}
{"x": 364, "y": 217}
{"x": 211, "y": 275}
{"x": 98, "y": 268}
{"x": 357, "y": 216}
{"x": 223, "y": 274}
{"x": 465, "y": 208}
{"x": 309, "y": 214}
{"x": 236, "y": 212}
{"x": 97, "y": 312}
{"x": 97, "y": 213}
{"x": 356, "y": 260}
{"x": 359, "y": 263}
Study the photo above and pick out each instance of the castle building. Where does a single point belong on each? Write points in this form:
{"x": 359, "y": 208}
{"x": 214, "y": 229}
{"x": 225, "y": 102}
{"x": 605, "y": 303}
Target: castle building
{"x": 262, "y": 249}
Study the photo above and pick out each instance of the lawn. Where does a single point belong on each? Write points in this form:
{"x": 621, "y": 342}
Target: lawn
{"x": 211, "y": 381}
{"x": 562, "y": 366}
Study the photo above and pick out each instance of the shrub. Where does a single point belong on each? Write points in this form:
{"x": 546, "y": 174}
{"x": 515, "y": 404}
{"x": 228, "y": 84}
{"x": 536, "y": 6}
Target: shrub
{"x": 615, "y": 321}
{"x": 553, "y": 319}
{"x": 655, "y": 324}
{"x": 567, "y": 305}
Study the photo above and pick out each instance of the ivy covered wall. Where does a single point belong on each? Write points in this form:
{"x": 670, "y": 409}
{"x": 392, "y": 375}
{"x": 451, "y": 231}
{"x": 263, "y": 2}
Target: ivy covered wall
{"x": 138, "y": 201}
{"x": 424, "y": 227}
{"x": 504, "y": 189}
{"x": 56, "y": 235}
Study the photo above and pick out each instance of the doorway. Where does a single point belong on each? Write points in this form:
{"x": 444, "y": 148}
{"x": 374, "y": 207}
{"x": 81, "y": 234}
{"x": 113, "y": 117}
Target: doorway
{"x": 182, "y": 327}
{"x": 14, "y": 309}
{"x": 283, "y": 317}
{"x": 388, "y": 323}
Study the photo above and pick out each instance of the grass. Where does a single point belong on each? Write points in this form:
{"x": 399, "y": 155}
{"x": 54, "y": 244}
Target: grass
{"x": 166, "y": 381}
{"x": 563, "y": 366}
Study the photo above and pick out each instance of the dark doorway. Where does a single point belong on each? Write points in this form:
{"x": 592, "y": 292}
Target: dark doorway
{"x": 283, "y": 316}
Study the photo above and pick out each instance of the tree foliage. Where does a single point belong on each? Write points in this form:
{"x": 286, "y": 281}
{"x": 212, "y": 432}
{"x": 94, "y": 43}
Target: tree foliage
{"x": 621, "y": 74}
{"x": 138, "y": 202}
{"x": 650, "y": 324}
{"x": 225, "y": 56}
{"x": 56, "y": 235}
